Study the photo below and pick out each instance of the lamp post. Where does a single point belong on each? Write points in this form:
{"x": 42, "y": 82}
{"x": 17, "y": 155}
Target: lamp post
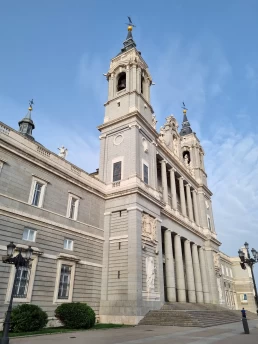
{"x": 18, "y": 261}
{"x": 250, "y": 262}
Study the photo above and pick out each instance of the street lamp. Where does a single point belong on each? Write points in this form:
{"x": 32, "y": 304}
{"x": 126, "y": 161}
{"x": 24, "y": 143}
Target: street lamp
{"x": 250, "y": 262}
{"x": 18, "y": 261}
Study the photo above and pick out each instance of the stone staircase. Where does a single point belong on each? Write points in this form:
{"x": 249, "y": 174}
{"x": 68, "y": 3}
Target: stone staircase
{"x": 193, "y": 315}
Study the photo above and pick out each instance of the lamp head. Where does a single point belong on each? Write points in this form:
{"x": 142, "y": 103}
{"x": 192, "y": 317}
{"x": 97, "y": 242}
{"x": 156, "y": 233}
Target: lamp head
{"x": 246, "y": 245}
{"x": 29, "y": 252}
{"x": 10, "y": 249}
{"x": 254, "y": 253}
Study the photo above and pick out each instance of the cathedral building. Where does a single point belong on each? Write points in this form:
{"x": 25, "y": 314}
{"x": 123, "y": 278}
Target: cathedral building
{"x": 136, "y": 234}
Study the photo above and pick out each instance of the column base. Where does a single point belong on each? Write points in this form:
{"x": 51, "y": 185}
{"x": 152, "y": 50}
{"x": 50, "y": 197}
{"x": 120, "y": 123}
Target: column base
{"x": 199, "y": 296}
{"x": 191, "y": 296}
{"x": 181, "y": 295}
{"x": 171, "y": 294}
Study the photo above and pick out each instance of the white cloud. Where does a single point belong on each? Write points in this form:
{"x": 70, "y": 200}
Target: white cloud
{"x": 232, "y": 167}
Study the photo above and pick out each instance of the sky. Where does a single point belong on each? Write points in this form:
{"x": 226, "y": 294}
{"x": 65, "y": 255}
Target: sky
{"x": 204, "y": 53}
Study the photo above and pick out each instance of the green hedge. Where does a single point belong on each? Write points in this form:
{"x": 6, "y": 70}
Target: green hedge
{"x": 75, "y": 315}
{"x": 26, "y": 318}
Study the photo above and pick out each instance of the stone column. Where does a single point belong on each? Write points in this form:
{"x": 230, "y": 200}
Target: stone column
{"x": 205, "y": 286}
{"x": 189, "y": 272}
{"x": 197, "y": 274}
{"x": 173, "y": 188}
{"x": 164, "y": 180}
{"x": 189, "y": 202}
{"x": 182, "y": 195}
{"x": 180, "y": 278}
{"x": 195, "y": 206}
{"x": 169, "y": 265}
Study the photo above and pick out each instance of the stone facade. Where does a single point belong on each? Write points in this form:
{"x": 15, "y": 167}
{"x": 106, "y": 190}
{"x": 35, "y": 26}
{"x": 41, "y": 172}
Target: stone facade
{"x": 135, "y": 234}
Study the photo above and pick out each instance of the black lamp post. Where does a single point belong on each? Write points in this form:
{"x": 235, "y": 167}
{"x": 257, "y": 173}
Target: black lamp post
{"x": 18, "y": 261}
{"x": 250, "y": 262}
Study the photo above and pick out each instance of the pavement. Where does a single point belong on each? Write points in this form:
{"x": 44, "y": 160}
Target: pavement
{"x": 144, "y": 334}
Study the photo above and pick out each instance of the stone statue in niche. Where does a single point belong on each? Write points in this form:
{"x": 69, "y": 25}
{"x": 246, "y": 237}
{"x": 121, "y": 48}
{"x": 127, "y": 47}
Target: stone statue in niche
{"x": 150, "y": 274}
{"x": 149, "y": 227}
{"x": 186, "y": 159}
{"x": 154, "y": 121}
{"x": 216, "y": 258}
{"x": 63, "y": 152}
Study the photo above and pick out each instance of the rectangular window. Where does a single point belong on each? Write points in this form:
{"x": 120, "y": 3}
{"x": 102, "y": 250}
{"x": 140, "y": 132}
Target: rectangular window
{"x": 117, "y": 171}
{"x": 118, "y": 274}
{"x": 21, "y": 282}
{"x": 146, "y": 174}
{"x": 64, "y": 283}
{"x": 29, "y": 234}
{"x": 73, "y": 206}
{"x": 37, "y": 193}
{"x": 231, "y": 273}
{"x": 68, "y": 244}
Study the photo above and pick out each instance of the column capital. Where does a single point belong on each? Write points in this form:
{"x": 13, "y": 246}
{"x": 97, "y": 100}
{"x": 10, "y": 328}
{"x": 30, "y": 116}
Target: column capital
{"x": 194, "y": 191}
{"x": 187, "y": 185}
{"x": 172, "y": 169}
{"x": 182, "y": 178}
{"x": 178, "y": 235}
{"x": 164, "y": 161}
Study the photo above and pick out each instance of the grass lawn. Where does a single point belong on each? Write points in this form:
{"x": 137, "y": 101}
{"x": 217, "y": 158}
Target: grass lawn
{"x": 53, "y": 330}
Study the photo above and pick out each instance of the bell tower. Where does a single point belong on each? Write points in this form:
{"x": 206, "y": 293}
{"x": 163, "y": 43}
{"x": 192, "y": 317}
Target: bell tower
{"x": 129, "y": 83}
{"x": 192, "y": 151}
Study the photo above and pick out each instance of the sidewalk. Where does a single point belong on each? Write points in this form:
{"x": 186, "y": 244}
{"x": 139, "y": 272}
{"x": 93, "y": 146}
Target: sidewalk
{"x": 225, "y": 334}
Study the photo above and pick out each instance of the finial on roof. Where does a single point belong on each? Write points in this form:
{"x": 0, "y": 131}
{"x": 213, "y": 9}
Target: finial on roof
{"x": 186, "y": 128}
{"x": 129, "y": 43}
{"x": 26, "y": 125}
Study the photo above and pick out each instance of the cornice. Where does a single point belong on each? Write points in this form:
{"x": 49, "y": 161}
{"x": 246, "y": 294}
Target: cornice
{"x": 182, "y": 223}
{"x": 125, "y": 94}
{"x": 49, "y": 167}
{"x": 139, "y": 190}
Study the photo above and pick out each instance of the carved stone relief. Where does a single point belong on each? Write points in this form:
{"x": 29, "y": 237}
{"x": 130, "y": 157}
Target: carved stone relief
{"x": 118, "y": 139}
{"x": 150, "y": 274}
{"x": 145, "y": 145}
{"x": 149, "y": 228}
{"x": 169, "y": 135}
{"x": 221, "y": 299}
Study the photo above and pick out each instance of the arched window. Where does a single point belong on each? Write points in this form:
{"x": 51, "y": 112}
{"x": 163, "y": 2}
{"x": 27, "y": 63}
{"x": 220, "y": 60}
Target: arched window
{"x": 142, "y": 85}
{"x": 121, "y": 81}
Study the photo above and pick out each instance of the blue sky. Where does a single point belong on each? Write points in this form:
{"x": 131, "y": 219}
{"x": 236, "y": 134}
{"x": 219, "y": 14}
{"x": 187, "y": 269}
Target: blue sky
{"x": 202, "y": 52}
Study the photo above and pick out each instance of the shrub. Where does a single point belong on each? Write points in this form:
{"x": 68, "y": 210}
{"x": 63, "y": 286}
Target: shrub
{"x": 75, "y": 315}
{"x": 26, "y": 318}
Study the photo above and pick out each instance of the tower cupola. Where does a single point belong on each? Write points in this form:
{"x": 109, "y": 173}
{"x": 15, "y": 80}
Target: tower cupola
{"x": 26, "y": 125}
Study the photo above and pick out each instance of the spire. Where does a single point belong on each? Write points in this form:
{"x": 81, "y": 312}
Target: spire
{"x": 129, "y": 43}
{"x": 26, "y": 125}
{"x": 186, "y": 127}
